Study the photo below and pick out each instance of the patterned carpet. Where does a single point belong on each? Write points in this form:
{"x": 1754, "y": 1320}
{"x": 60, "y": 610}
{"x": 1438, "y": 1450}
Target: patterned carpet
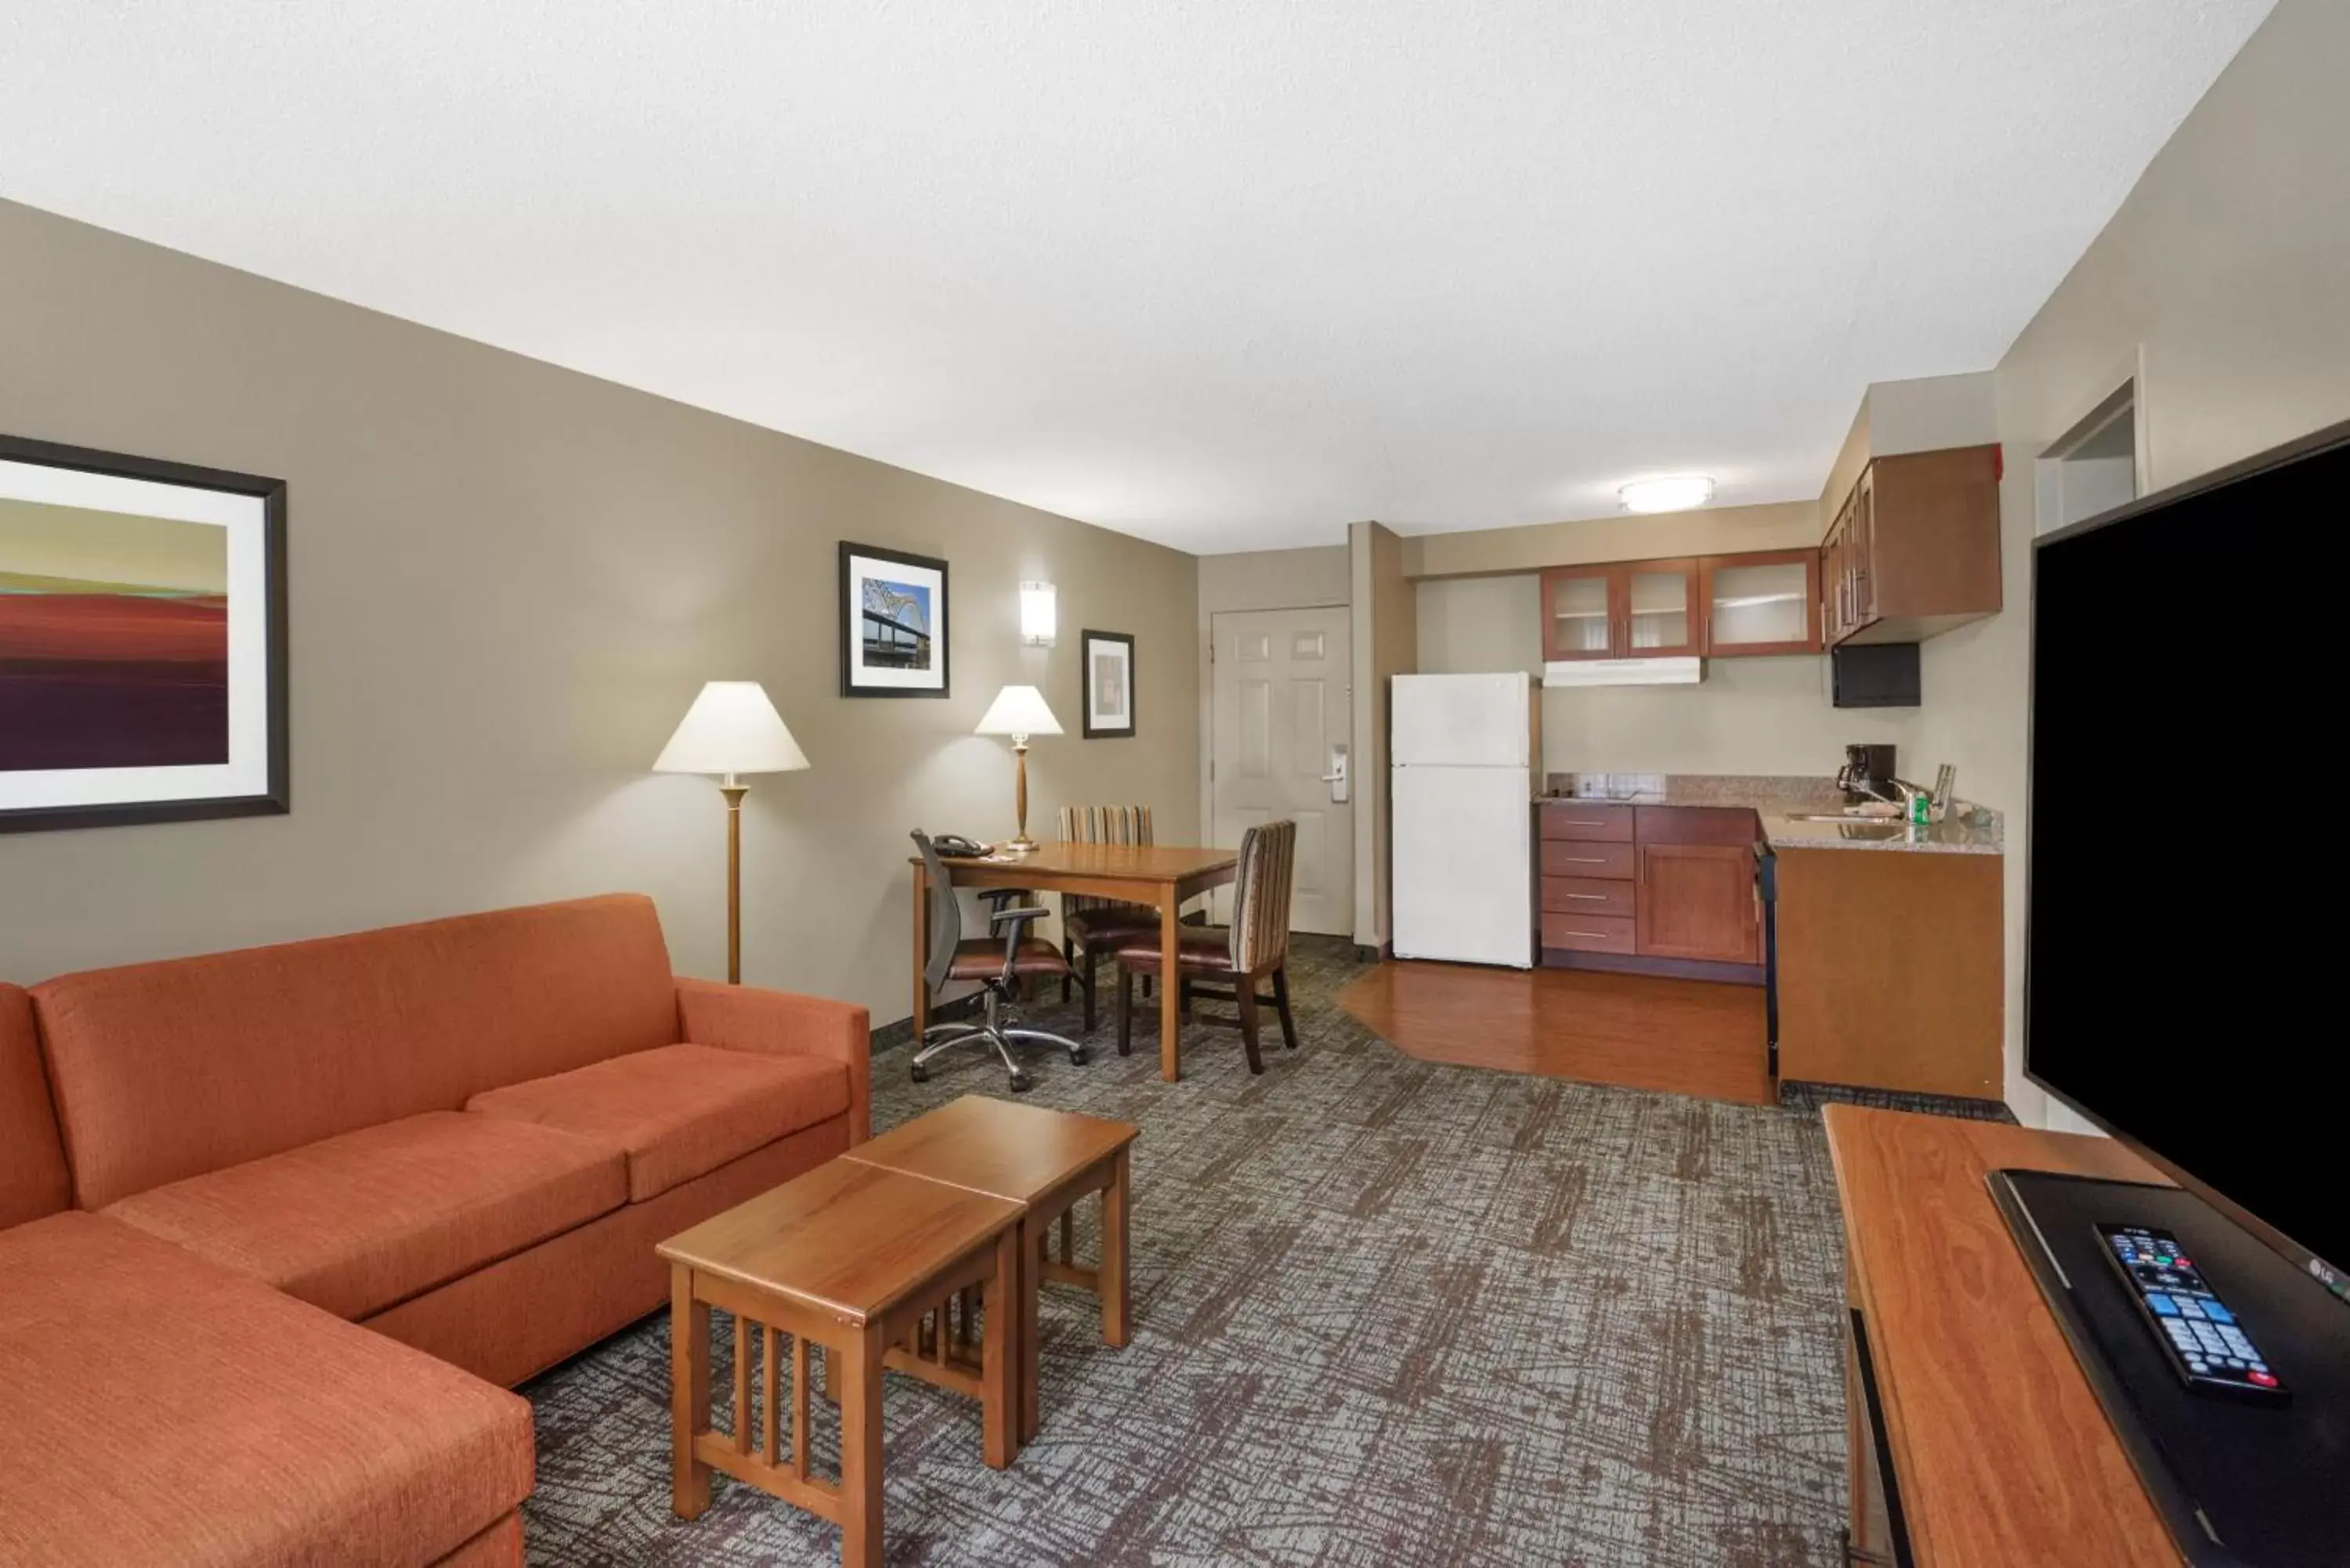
{"x": 1386, "y": 1312}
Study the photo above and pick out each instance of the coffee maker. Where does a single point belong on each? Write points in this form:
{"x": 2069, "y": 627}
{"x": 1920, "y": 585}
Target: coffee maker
{"x": 1867, "y": 773}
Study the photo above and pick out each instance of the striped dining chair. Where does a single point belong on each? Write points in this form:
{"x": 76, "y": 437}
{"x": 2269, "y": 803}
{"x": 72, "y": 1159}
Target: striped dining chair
{"x": 1254, "y": 948}
{"x": 1092, "y": 929}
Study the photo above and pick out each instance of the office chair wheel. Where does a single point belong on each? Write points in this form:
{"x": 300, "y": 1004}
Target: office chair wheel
{"x": 1022, "y": 1082}
{"x": 1077, "y": 1056}
{"x": 921, "y": 1075}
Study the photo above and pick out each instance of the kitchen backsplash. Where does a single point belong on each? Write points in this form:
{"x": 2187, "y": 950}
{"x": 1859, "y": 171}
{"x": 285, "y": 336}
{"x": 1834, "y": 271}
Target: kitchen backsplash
{"x": 1774, "y": 792}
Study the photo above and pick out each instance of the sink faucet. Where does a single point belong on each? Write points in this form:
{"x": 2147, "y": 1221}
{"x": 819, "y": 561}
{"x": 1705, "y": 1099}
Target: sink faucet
{"x": 1909, "y": 792}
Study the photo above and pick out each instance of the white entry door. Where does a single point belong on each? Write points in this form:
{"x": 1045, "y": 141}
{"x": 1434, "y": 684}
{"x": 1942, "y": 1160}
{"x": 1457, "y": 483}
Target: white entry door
{"x": 1284, "y": 720}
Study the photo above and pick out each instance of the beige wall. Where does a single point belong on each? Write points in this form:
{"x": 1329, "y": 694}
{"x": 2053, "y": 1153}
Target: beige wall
{"x": 1747, "y": 716}
{"x": 1710, "y": 530}
{"x": 1926, "y": 413}
{"x": 1930, "y": 413}
{"x": 2226, "y": 273}
{"x": 1386, "y": 644}
{"x": 1255, "y": 580}
{"x": 1272, "y": 579}
{"x": 508, "y": 581}
{"x": 1845, "y": 471}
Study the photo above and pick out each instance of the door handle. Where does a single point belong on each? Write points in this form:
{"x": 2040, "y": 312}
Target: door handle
{"x": 1336, "y": 777}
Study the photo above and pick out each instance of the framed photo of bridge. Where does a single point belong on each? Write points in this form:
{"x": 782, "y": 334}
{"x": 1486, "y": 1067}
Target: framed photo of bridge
{"x": 142, "y": 640}
{"x": 893, "y": 623}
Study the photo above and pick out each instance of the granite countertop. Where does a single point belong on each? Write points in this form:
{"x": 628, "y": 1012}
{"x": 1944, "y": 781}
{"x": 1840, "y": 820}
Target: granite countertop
{"x": 1975, "y": 835}
{"x": 1778, "y": 801}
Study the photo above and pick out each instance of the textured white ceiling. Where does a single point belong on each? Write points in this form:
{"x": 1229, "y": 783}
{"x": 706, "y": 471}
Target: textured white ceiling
{"x": 1226, "y": 274}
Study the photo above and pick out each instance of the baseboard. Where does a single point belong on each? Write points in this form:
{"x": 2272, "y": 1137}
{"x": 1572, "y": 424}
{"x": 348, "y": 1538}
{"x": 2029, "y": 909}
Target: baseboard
{"x": 1660, "y": 967}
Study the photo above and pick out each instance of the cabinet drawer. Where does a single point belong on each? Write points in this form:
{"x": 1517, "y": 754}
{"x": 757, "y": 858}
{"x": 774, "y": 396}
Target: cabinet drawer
{"x": 1586, "y": 934}
{"x": 1588, "y": 896}
{"x": 1577, "y": 857}
{"x": 1593, "y": 823}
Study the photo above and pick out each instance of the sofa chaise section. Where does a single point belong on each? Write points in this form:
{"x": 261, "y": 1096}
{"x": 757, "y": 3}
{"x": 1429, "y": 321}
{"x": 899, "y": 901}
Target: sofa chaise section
{"x": 155, "y": 1407}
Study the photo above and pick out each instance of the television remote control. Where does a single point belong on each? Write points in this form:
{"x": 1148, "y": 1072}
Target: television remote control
{"x": 2199, "y": 1336}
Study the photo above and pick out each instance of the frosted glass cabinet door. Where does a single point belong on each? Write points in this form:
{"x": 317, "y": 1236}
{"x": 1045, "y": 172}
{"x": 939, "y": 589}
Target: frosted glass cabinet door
{"x": 1661, "y": 610}
{"x": 1761, "y": 604}
{"x": 1579, "y": 613}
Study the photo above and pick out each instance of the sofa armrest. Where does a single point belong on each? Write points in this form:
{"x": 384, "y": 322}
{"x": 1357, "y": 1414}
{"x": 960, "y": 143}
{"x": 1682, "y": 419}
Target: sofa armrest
{"x": 785, "y": 1023}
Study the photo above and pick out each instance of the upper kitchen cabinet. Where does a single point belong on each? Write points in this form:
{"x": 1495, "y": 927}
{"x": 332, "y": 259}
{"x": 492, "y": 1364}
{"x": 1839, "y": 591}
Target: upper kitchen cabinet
{"x": 1763, "y": 603}
{"x": 1645, "y": 609}
{"x": 1661, "y": 617}
{"x": 1913, "y": 549}
{"x": 1579, "y": 613}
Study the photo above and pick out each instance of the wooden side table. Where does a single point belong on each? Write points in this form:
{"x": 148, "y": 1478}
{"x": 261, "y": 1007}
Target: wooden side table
{"x": 851, "y": 1258}
{"x": 1047, "y": 1162}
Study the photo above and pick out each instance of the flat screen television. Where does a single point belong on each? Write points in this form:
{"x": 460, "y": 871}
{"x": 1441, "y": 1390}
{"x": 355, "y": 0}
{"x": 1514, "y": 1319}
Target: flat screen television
{"x": 2190, "y": 845}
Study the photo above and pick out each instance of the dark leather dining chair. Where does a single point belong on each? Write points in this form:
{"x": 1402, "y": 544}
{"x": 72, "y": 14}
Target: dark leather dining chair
{"x": 998, "y": 961}
{"x": 1254, "y": 948}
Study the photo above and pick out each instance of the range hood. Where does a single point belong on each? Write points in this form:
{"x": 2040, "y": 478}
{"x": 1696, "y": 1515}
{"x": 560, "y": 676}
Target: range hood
{"x": 1623, "y": 672}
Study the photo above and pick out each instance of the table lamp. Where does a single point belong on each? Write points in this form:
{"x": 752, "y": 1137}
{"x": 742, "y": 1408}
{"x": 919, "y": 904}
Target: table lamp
{"x": 730, "y": 730}
{"x": 1019, "y": 711}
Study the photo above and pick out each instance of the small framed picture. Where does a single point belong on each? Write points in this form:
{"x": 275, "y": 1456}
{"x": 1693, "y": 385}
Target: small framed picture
{"x": 1110, "y": 683}
{"x": 893, "y": 623}
{"x": 142, "y": 640}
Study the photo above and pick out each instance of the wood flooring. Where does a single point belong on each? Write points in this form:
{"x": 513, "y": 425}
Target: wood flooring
{"x": 1680, "y": 1036}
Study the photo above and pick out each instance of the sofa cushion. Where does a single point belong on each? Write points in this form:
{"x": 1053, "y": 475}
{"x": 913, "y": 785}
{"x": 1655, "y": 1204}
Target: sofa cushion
{"x": 358, "y": 1222}
{"x": 155, "y": 1409}
{"x": 164, "y": 1070}
{"x": 33, "y": 1180}
{"x": 682, "y": 1111}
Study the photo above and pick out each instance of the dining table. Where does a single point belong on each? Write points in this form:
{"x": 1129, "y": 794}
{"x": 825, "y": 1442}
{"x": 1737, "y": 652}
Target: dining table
{"x": 1163, "y": 876}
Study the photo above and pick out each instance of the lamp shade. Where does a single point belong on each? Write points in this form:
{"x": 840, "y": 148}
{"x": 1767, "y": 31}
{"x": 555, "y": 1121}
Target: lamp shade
{"x": 731, "y": 728}
{"x": 1018, "y": 710}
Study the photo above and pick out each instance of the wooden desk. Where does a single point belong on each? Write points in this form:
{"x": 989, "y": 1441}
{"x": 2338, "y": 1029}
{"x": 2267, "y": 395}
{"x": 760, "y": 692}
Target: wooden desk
{"x": 2001, "y": 1452}
{"x": 1161, "y": 876}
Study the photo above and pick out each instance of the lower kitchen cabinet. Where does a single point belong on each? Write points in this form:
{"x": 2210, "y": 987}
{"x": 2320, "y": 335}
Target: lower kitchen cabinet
{"x": 1698, "y": 901}
{"x": 1890, "y": 967}
{"x": 1654, "y": 889}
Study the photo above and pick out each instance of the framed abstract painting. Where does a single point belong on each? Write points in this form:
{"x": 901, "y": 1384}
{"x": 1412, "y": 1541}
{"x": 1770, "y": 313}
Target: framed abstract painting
{"x": 1110, "y": 683}
{"x": 893, "y": 623}
{"x": 142, "y": 640}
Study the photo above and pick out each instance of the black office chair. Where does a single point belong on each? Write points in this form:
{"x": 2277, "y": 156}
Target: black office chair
{"x": 996, "y": 966}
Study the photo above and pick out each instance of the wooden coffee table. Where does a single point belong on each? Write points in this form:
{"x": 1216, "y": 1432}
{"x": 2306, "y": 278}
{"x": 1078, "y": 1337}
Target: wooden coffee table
{"x": 849, "y": 1258}
{"x": 1045, "y": 1161}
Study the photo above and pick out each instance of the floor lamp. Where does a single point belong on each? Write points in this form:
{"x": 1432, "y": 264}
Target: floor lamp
{"x": 731, "y": 730}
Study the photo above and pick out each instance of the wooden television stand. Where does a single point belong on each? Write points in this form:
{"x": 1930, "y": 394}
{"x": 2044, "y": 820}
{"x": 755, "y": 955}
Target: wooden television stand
{"x": 1975, "y": 1437}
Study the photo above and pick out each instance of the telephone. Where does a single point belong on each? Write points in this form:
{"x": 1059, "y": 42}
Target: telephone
{"x": 955, "y": 846}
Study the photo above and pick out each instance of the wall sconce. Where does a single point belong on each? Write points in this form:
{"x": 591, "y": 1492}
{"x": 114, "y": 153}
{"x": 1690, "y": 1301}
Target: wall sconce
{"x": 1038, "y": 616}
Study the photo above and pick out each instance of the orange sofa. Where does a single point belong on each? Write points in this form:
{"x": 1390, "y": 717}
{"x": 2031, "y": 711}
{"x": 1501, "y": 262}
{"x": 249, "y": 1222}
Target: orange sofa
{"x": 465, "y": 1135}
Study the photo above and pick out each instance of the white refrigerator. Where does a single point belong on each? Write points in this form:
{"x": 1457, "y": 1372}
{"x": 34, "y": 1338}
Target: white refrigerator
{"x": 1463, "y": 750}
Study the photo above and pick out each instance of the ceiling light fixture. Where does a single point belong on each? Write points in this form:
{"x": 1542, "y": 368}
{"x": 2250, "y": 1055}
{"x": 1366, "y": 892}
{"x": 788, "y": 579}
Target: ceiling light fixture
{"x": 1673, "y": 493}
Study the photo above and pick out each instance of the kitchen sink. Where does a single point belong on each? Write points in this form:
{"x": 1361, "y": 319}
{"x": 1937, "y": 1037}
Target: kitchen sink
{"x": 1847, "y": 820}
